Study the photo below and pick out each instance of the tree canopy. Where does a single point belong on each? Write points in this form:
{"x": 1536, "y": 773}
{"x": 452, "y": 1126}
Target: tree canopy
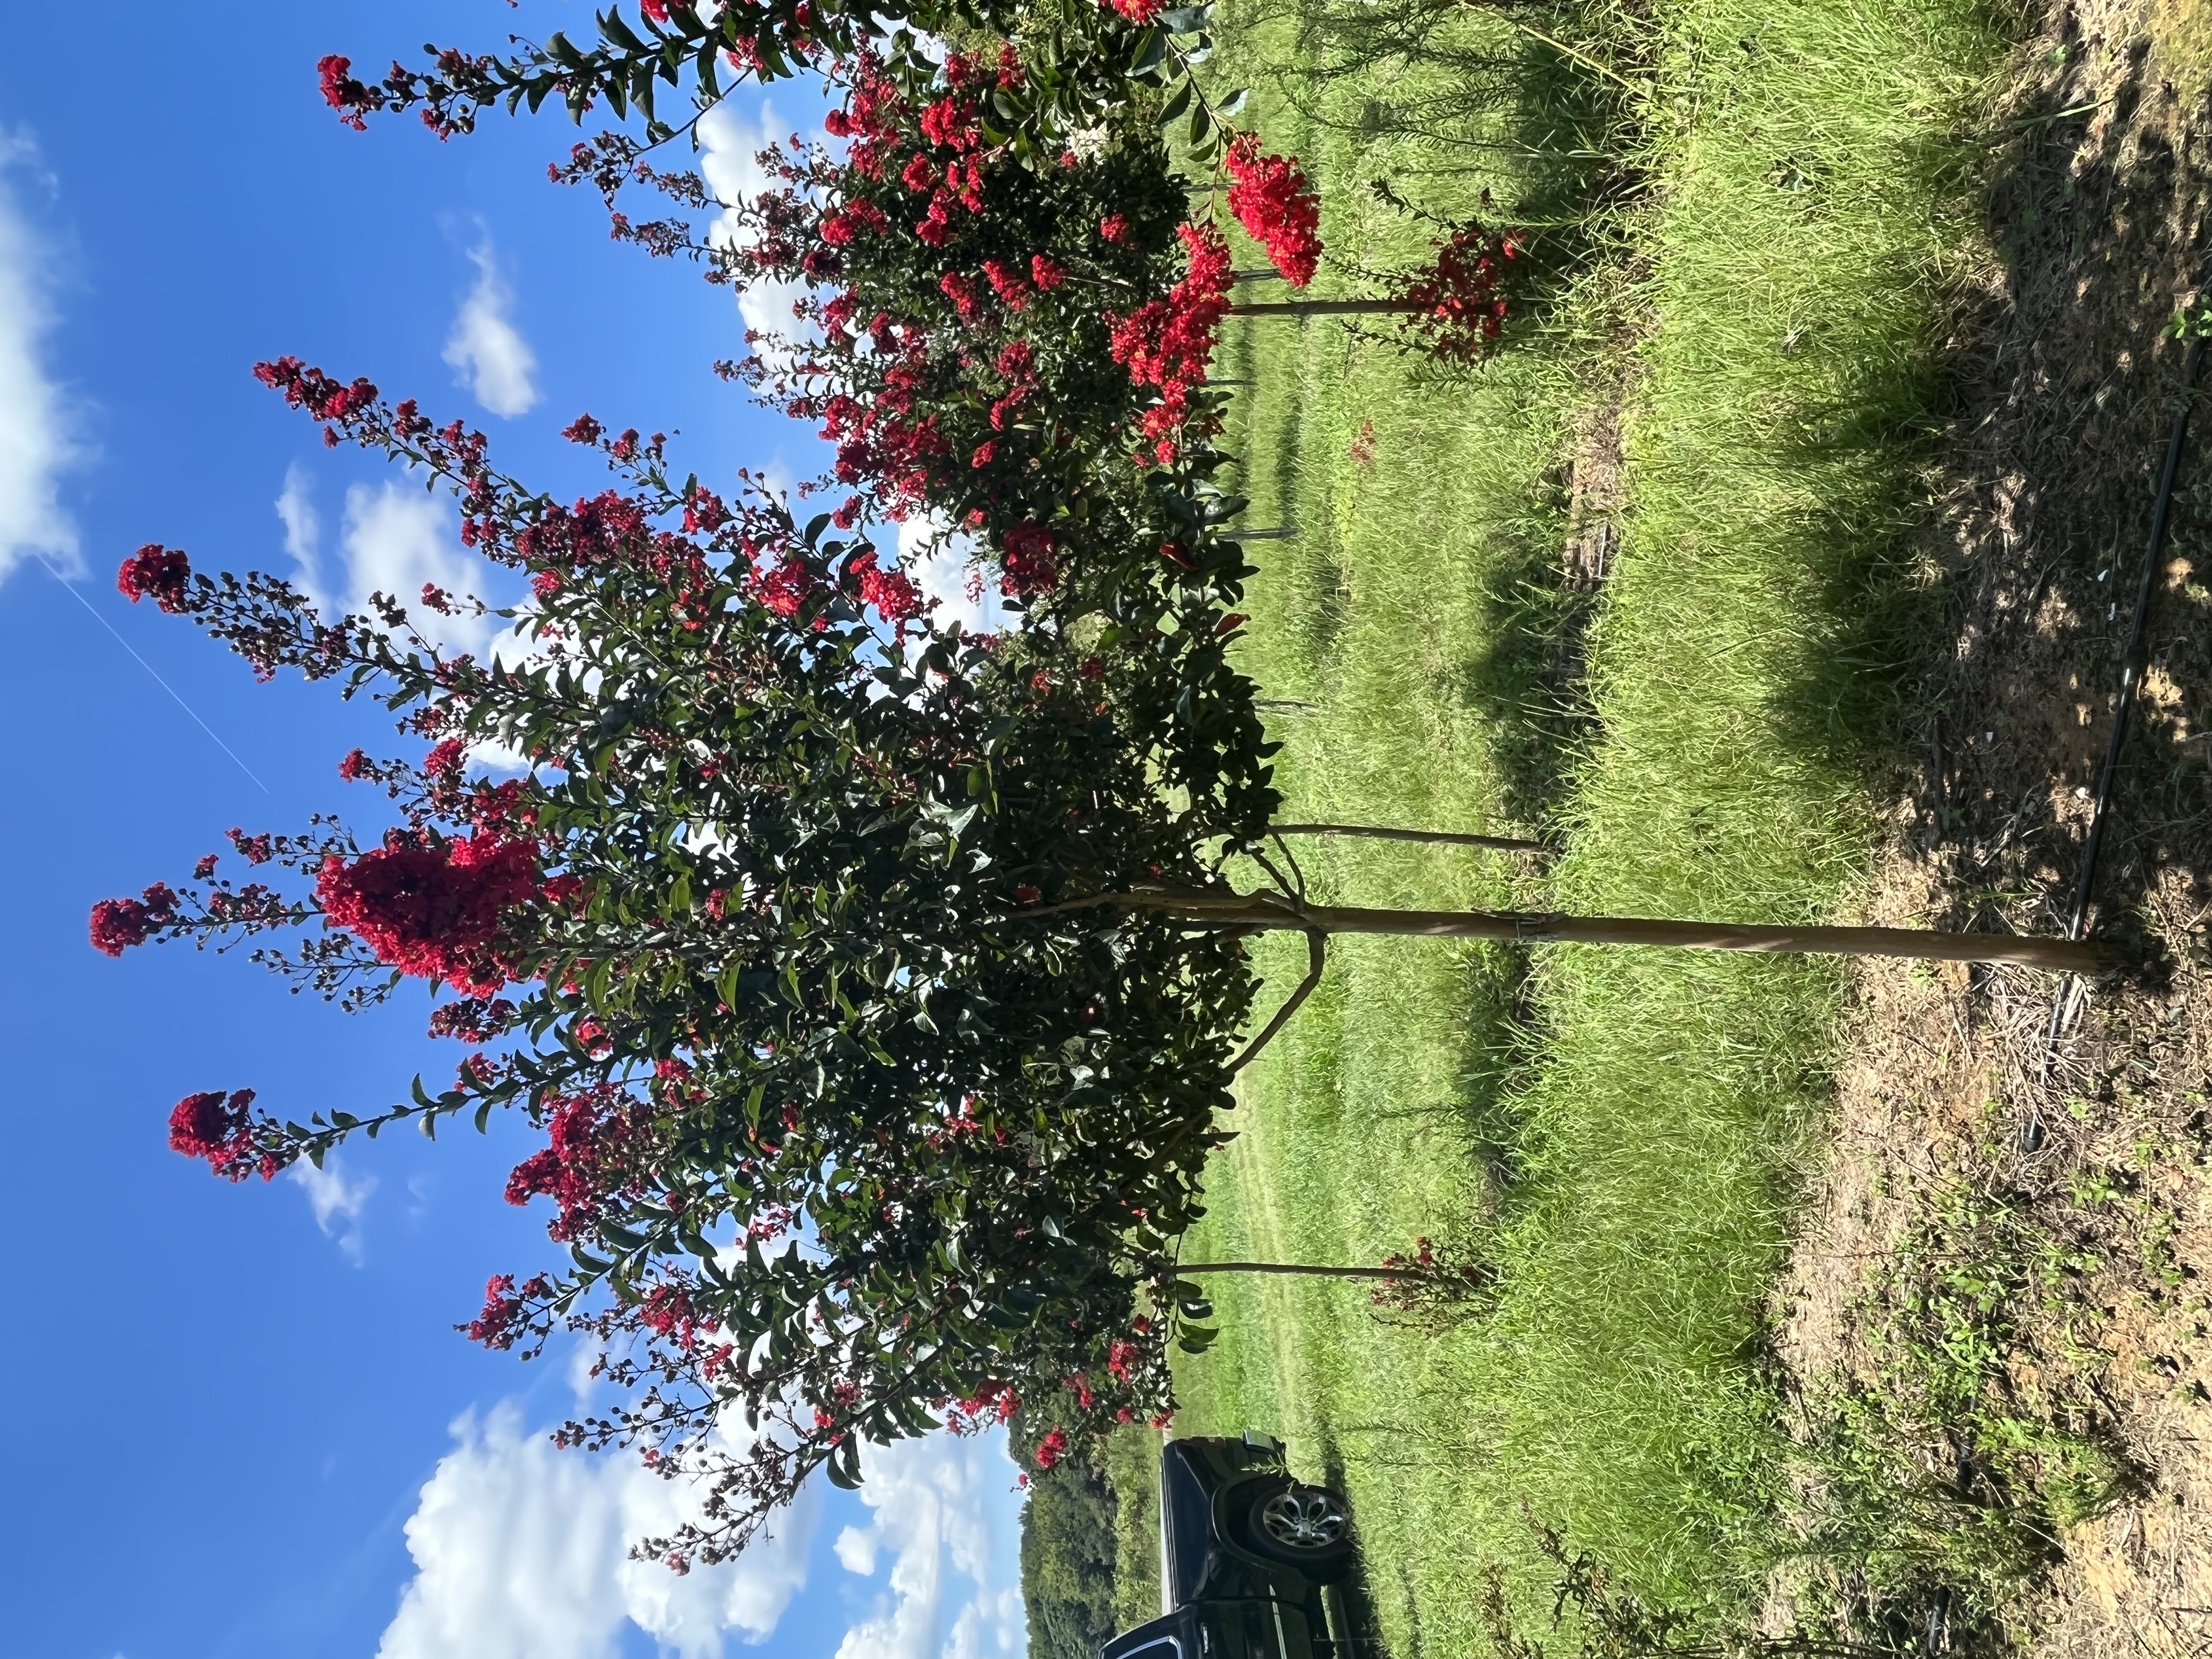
{"x": 836, "y": 1129}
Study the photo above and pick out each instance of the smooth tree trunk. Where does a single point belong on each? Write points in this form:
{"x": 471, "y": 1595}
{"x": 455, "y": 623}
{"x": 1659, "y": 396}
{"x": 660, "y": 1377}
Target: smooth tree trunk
{"x": 1191, "y": 1269}
{"x": 1550, "y": 927}
{"x": 1266, "y": 912}
{"x": 1321, "y": 308}
{"x": 1439, "y": 837}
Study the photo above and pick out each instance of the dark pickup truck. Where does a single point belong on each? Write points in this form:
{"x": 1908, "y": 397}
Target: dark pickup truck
{"x": 1247, "y": 1558}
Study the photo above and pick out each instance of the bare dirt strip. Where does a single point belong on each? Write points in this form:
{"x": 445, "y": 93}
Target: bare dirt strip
{"x": 1950, "y": 1092}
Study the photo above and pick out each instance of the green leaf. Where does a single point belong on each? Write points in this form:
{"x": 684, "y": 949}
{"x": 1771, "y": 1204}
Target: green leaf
{"x": 613, "y": 27}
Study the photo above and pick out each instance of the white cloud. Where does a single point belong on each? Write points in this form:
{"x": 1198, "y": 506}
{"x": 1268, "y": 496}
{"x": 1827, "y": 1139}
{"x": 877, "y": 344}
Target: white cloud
{"x": 38, "y": 427}
{"x": 730, "y": 147}
{"x": 944, "y": 1508}
{"x": 395, "y": 539}
{"x": 944, "y": 567}
{"x": 496, "y": 362}
{"x": 856, "y": 1551}
{"x": 303, "y": 525}
{"x": 337, "y": 1201}
{"x": 521, "y": 1553}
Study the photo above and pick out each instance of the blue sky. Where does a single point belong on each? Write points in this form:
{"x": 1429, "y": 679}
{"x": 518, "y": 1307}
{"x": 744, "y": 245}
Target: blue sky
{"x": 239, "y": 1423}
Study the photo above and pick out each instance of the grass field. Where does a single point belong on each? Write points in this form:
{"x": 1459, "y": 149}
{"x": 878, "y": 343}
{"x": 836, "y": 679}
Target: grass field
{"x": 1756, "y": 210}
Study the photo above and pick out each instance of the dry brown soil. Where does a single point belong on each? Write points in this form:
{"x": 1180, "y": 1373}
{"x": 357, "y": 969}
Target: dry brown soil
{"x": 1953, "y": 1082}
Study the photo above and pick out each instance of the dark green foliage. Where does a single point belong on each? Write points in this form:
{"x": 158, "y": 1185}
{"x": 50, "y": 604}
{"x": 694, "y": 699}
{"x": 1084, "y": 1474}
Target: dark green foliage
{"x": 828, "y": 1036}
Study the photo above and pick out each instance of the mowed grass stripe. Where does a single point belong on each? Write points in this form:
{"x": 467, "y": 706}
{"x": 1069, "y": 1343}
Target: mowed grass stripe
{"x": 1623, "y": 1130}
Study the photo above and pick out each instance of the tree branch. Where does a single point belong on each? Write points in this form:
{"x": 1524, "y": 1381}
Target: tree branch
{"x": 1317, "y": 960}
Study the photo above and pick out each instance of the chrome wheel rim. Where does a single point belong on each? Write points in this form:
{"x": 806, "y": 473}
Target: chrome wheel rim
{"x": 1303, "y": 1518}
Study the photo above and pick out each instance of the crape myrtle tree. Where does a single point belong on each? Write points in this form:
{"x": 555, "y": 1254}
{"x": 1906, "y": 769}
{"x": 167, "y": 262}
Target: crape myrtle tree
{"x": 877, "y": 1003}
{"x": 850, "y": 1122}
{"x": 877, "y": 987}
{"x": 878, "y": 1007}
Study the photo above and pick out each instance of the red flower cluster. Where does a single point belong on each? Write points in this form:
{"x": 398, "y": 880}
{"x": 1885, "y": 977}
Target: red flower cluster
{"x": 992, "y": 1403}
{"x": 505, "y": 1312}
{"x": 594, "y": 1138}
{"x": 601, "y": 529}
{"x": 442, "y": 99}
{"x": 1007, "y": 282}
{"x": 322, "y": 397}
{"x": 1457, "y": 303}
{"x": 884, "y": 440}
{"x": 1027, "y": 556}
{"x": 432, "y": 910}
{"x": 1139, "y": 12}
{"x": 118, "y": 924}
{"x": 668, "y": 1311}
{"x": 350, "y": 97}
{"x": 784, "y": 585}
{"x": 163, "y": 573}
{"x": 254, "y": 849}
{"x": 472, "y": 1019}
{"x": 1052, "y": 1448}
{"x": 220, "y": 1129}
{"x": 1430, "y": 1286}
{"x": 1168, "y": 342}
{"x": 1272, "y": 199}
{"x": 966, "y": 294}
{"x": 891, "y": 592}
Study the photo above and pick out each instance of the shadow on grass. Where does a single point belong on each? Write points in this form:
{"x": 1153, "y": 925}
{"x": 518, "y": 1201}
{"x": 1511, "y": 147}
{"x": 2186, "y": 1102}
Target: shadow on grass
{"x": 1530, "y": 90}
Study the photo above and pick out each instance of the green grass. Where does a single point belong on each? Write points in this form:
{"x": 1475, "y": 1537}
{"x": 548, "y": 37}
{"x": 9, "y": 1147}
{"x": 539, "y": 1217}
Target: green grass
{"x": 1775, "y": 230}
{"x": 1130, "y": 1459}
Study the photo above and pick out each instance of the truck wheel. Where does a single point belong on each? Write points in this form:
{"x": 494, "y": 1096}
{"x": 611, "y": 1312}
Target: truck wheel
{"x": 1304, "y": 1527}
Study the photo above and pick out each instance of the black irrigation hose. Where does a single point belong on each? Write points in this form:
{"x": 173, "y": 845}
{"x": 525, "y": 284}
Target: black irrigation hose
{"x": 2131, "y": 671}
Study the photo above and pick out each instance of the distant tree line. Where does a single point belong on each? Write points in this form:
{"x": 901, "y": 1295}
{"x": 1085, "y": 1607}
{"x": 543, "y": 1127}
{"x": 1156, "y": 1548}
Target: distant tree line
{"x": 1067, "y": 1550}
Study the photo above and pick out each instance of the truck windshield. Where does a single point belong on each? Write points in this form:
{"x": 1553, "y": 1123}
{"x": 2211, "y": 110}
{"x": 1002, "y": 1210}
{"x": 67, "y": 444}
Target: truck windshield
{"x": 1186, "y": 1524}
